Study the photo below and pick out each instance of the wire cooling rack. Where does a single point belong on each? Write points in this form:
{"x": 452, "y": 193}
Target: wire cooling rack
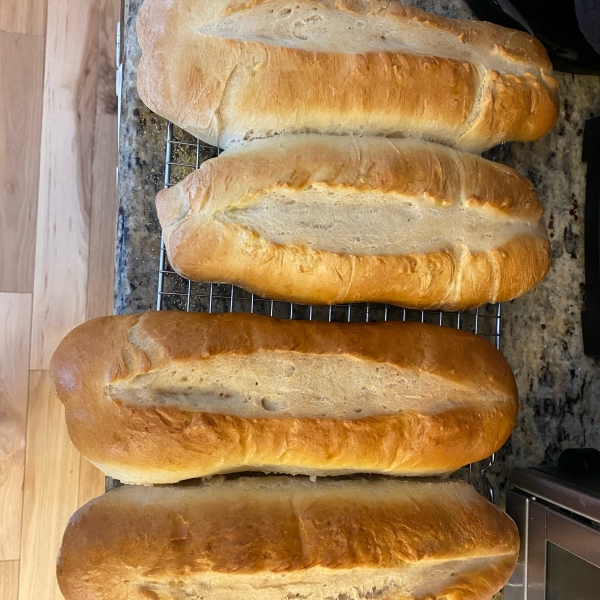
{"x": 184, "y": 155}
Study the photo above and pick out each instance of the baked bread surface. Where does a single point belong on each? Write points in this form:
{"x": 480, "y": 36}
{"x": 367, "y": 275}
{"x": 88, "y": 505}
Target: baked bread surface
{"x": 320, "y": 219}
{"x": 165, "y": 396}
{"x": 283, "y": 537}
{"x": 228, "y": 70}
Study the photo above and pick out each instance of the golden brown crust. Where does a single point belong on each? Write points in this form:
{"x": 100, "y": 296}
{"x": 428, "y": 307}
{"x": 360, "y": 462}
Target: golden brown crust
{"x": 134, "y": 536}
{"x": 204, "y": 248}
{"x": 162, "y": 444}
{"x": 225, "y": 90}
{"x": 523, "y": 97}
{"x": 476, "y": 584}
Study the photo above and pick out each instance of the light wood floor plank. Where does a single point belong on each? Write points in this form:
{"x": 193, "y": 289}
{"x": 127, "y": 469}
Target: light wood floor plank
{"x": 91, "y": 482}
{"x": 9, "y": 580}
{"x": 110, "y": 13}
{"x": 15, "y": 331}
{"x": 65, "y": 192}
{"x": 21, "y": 79}
{"x": 104, "y": 219}
{"x": 104, "y": 191}
{"x": 51, "y": 490}
{"x": 23, "y": 16}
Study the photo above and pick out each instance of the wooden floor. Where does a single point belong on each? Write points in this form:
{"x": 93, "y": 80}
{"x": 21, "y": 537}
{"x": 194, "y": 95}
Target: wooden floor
{"x": 58, "y": 159}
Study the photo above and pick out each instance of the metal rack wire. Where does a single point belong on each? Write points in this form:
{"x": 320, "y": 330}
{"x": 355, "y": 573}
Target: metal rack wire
{"x": 184, "y": 154}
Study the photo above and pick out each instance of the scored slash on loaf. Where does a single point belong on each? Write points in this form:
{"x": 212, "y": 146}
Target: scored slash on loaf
{"x": 168, "y": 396}
{"x": 334, "y": 219}
{"x": 233, "y": 70}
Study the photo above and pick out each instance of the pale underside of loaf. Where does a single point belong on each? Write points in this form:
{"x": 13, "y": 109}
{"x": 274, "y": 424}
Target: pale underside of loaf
{"x": 326, "y": 219}
{"x": 159, "y": 475}
{"x": 426, "y": 579}
{"x": 282, "y": 538}
{"x": 232, "y": 71}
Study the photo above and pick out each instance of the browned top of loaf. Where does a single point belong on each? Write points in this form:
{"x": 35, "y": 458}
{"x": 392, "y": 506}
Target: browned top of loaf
{"x": 224, "y": 90}
{"x": 102, "y": 347}
{"x": 203, "y": 247}
{"x": 164, "y": 443}
{"x": 279, "y": 525}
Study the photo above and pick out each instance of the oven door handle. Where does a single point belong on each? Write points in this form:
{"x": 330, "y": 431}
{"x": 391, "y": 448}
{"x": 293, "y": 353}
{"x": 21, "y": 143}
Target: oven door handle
{"x": 528, "y": 582}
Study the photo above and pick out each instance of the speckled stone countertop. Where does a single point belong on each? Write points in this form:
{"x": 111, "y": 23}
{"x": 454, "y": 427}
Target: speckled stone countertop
{"x": 541, "y": 332}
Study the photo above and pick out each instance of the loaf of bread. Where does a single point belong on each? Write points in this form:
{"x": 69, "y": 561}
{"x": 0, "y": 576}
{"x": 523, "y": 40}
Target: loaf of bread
{"x": 231, "y": 70}
{"x": 277, "y": 538}
{"x": 332, "y": 219}
{"x": 168, "y": 396}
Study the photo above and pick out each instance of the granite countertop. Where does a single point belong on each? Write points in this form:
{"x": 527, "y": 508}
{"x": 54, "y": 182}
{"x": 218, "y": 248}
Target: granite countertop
{"x": 559, "y": 387}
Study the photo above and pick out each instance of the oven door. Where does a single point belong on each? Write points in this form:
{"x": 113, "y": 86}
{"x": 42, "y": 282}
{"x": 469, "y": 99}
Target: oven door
{"x": 559, "y": 557}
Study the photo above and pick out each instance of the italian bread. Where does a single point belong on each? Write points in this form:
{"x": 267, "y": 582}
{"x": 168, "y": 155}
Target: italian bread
{"x": 233, "y": 70}
{"x": 277, "y": 538}
{"x": 168, "y": 396}
{"x": 334, "y": 219}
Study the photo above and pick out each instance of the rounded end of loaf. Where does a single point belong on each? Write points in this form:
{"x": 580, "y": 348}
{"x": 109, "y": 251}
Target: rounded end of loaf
{"x": 80, "y": 567}
{"x": 519, "y": 109}
{"x": 172, "y": 207}
{"x": 87, "y": 357}
{"x": 544, "y": 110}
{"x": 65, "y": 373}
{"x": 525, "y": 261}
{"x": 522, "y": 107}
{"x": 148, "y": 27}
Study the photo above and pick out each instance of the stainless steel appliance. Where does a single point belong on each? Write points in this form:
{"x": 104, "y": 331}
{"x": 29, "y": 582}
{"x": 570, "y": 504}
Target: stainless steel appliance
{"x": 557, "y": 511}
